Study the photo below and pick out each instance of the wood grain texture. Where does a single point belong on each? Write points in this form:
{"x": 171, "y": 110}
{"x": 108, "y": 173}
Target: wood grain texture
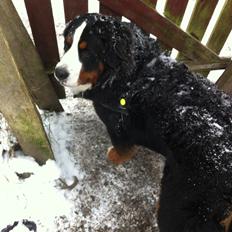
{"x": 107, "y": 11}
{"x": 222, "y": 28}
{"x": 225, "y": 81}
{"x": 200, "y": 18}
{"x": 174, "y": 10}
{"x": 43, "y": 30}
{"x": 165, "y": 30}
{"x": 73, "y": 8}
{"x": 27, "y": 58}
{"x": 150, "y": 3}
{"x": 17, "y": 104}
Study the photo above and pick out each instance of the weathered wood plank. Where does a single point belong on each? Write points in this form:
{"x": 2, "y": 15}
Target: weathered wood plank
{"x": 107, "y": 11}
{"x": 26, "y": 56}
{"x": 73, "y": 8}
{"x": 222, "y": 28}
{"x": 200, "y": 18}
{"x": 150, "y": 3}
{"x": 154, "y": 23}
{"x": 225, "y": 81}
{"x": 210, "y": 66}
{"x": 174, "y": 10}
{"x": 43, "y": 30}
{"x": 16, "y": 103}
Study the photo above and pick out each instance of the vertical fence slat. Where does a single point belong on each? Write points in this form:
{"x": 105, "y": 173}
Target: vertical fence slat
{"x": 43, "y": 30}
{"x": 44, "y": 34}
{"x": 174, "y": 10}
{"x": 225, "y": 81}
{"x": 200, "y": 18}
{"x": 26, "y": 56}
{"x": 73, "y": 8}
{"x": 221, "y": 30}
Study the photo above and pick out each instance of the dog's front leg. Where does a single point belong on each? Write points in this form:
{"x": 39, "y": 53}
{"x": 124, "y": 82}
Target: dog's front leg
{"x": 119, "y": 155}
{"x": 123, "y": 148}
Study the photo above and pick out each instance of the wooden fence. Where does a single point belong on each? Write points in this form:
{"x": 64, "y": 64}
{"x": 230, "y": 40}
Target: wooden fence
{"x": 143, "y": 12}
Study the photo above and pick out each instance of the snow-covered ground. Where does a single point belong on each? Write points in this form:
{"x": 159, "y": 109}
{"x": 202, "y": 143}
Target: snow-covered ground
{"x": 81, "y": 191}
{"x": 105, "y": 197}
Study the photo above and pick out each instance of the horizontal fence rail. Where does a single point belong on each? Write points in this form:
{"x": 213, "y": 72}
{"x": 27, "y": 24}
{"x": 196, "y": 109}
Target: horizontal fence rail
{"x": 151, "y": 21}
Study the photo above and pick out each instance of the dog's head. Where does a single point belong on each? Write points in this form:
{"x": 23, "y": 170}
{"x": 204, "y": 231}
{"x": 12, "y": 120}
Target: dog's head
{"x": 93, "y": 44}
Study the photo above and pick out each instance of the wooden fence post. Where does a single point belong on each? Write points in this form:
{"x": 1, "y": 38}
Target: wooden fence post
{"x": 16, "y": 102}
{"x": 225, "y": 80}
{"x": 25, "y": 56}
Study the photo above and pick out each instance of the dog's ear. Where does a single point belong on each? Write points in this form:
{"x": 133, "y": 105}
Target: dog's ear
{"x": 118, "y": 42}
{"x": 123, "y": 44}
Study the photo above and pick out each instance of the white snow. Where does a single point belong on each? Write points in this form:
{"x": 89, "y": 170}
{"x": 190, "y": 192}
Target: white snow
{"x": 36, "y": 198}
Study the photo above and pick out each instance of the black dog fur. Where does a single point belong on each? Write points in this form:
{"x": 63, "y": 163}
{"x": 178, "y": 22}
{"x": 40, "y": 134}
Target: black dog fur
{"x": 171, "y": 111}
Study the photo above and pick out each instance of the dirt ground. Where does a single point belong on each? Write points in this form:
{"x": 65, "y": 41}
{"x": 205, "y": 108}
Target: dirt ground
{"x": 110, "y": 198}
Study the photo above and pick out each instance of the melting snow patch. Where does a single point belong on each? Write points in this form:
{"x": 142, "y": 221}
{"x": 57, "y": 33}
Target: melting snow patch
{"x": 34, "y": 197}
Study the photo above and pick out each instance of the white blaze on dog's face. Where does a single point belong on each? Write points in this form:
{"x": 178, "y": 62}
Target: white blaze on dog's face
{"x": 70, "y": 64}
{"x": 68, "y": 70}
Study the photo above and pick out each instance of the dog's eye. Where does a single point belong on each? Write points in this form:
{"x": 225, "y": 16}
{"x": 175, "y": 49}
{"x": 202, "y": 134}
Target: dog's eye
{"x": 68, "y": 41}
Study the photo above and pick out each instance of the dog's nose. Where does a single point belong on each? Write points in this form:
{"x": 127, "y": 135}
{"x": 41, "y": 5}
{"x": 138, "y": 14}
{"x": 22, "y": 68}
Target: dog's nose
{"x": 61, "y": 73}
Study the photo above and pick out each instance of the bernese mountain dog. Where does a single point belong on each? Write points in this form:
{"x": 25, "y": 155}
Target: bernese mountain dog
{"x": 146, "y": 98}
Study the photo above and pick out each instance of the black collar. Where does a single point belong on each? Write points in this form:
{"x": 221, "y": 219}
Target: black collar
{"x": 117, "y": 109}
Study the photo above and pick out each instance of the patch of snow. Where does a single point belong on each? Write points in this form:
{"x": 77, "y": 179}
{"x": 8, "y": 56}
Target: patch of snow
{"x": 152, "y": 62}
{"x": 183, "y": 109}
{"x": 58, "y": 127}
{"x": 182, "y": 93}
{"x": 7, "y": 140}
{"x": 167, "y": 60}
{"x": 35, "y": 198}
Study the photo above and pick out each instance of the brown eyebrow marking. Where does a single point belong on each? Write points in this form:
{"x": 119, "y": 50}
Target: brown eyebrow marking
{"x": 83, "y": 45}
{"x": 69, "y": 39}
